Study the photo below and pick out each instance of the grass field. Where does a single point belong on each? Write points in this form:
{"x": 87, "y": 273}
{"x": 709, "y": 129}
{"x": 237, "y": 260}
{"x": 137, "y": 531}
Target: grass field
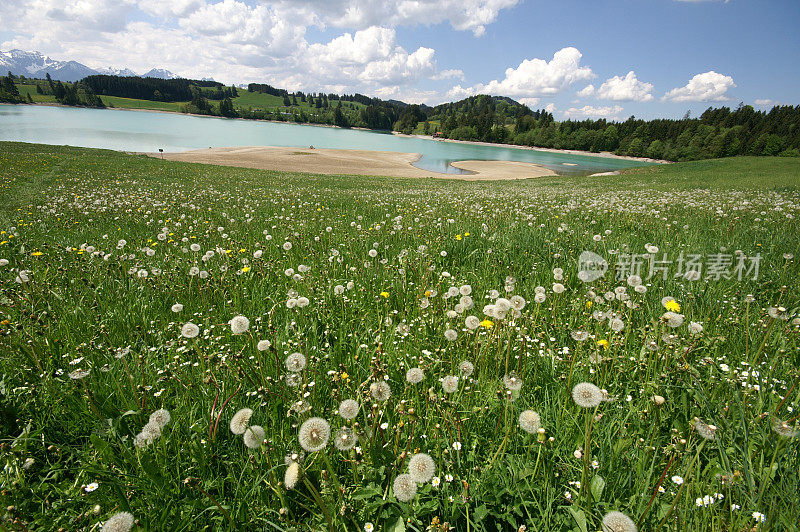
{"x": 539, "y": 401}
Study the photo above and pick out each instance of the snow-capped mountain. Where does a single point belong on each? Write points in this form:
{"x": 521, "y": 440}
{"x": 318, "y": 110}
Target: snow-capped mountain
{"x": 111, "y": 71}
{"x": 160, "y": 73}
{"x": 36, "y": 65}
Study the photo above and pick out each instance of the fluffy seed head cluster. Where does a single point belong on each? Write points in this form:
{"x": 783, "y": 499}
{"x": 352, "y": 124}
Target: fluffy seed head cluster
{"x": 380, "y": 391}
{"x": 405, "y": 488}
{"x": 296, "y": 362}
{"x": 618, "y": 522}
{"x": 314, "y": 434}
{"x": 414, "y": 376}
{"x": 292, "y": 475}
{"x": 466, "y": 368}
{"x": 241, "y": 420}
{"x": 782, "y": 428}
{"x": 239, "y": 324}
{"x": 421, "y": 467}
{"x": 512, "y": 382}
{"x": 450, "y": 383}
{"x": 253, "y": 436}
{"x": 348, "y": 408}
{"x": 160, "y": 417}
{"x": 530, "y": 422}
{"x": 345, "y": 439}
{"x": 190, "y": 330}
{"x": 263, "y": 345}
{"x": 587, "y": 395}
{"x": 707, "y": 432}
{"x": 119, "y": 522}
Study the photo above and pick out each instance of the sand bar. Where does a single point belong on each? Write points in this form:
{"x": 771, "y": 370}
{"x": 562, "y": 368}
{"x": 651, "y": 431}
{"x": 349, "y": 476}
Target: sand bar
{"x": 358, "y": 162}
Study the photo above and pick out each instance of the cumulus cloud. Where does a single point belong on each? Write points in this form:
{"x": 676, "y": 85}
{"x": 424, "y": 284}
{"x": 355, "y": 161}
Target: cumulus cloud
{"x": 765, "y": 102}
{"x": 586, "y": 92}
{"x": 706, "y": 87}
{"x": 627, "y": 89}
{"x": 588, "y": 111}
{"x": 534, "y": 78}
{"x": 465, "y": 15}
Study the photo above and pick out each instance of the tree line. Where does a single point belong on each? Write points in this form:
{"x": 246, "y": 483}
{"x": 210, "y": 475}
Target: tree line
{"x": 156, "y": 89}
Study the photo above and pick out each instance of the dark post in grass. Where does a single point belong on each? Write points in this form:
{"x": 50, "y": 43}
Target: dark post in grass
{"x": 161, "y": 151}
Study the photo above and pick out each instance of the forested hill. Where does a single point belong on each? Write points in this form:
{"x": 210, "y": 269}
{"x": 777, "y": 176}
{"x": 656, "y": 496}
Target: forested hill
{"x": 718, "y": 132}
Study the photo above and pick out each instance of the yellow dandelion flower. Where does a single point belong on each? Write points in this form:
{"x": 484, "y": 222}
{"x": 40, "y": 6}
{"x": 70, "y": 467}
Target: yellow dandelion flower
{"x": 37, "y": 254}
{"x": 488, "y": 324}
{"x": 245, "y": 269}
{"x": 458, "y": 237}
{"x": 385, "y": 294}
{"x": 672, "y": 305}
{"x": 603, "y": 343}
{"x": 589, "y": 304}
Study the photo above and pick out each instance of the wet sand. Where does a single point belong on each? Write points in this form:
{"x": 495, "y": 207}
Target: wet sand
{"x": 353, "y": 162}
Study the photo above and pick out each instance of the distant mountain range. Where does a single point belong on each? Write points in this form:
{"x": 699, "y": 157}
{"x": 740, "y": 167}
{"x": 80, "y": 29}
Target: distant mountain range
{"x": 36, "y": 65}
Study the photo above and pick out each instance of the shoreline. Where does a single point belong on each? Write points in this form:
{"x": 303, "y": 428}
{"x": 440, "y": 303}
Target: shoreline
{"x": 604, "y": 155}
{"x": 351, "y": 162}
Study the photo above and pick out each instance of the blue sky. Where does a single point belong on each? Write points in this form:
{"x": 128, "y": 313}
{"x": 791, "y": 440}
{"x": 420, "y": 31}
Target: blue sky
{"x": 697, "y": 53}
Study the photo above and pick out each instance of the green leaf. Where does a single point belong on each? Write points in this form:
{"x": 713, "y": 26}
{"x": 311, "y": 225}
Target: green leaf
{"x": 579, "y": 517}
{"x": 596, "y": 486}
{"x": 398, "y": 526}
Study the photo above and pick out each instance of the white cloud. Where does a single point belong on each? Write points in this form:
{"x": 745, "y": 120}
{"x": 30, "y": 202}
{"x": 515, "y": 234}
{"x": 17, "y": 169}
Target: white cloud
{"x": 534, "y": 77}
{"x": 172, "y": 8}
{"x": 627, "y": 89}
{"x": 706, "y": 87}
{"x": 465, "y": 15}
{"x": 585, "y": 92}
{"x": 550, "y": 108}
{"x": 588, "y": 111}
{"x": 530, "y": 102}
{"x": 765, "y": 102}
{"x": 452, "y": 73}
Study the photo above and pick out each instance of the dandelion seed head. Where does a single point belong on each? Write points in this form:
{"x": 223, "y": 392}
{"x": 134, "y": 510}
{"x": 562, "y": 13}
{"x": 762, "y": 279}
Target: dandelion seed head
{"x": 292, "y": 475}
{"x": 240, "y": 421}
{"x": 239, "y": 324}
{"x": 380, "y": 391}
{"x": 345, "y": 439}
{"x": 587, "y": 395}
{"x": 421, "y": 467}
{"x": 254, "y": 436}
{"x": 314, "y": 434}
{"x": 618, "y": 522}
{"x": 190, "y": 330}
{"x": 296, "y": 362}
{"x": 530, "y": 422}
{"x": 349, "y": 408}
{"x": 119, "y": 522}
{"x": 405, "y": 488}
{"x": 414, "y": 375}
{"x": 450, "y": 383}
{"x": 160, "y": 417}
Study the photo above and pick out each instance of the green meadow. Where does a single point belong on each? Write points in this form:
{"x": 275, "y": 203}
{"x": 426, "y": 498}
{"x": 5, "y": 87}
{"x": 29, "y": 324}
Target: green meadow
{"x": 214, "y": 348}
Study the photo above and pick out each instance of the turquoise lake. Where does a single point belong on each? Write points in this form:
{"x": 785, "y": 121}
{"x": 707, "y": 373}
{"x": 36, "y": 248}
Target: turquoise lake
{"x": 147, "y": 132}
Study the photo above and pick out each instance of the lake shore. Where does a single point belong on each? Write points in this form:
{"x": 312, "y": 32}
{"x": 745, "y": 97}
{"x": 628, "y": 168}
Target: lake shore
{"x": 351, "y": 162}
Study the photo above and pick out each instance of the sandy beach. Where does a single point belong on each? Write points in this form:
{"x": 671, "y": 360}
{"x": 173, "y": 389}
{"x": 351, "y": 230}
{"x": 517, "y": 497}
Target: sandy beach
{"x": 354, "y": 162}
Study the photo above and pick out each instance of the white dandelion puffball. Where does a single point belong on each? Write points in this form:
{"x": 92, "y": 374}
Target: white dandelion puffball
{"x": 345, "y": 439}
{"x": 241, "y": 420}
{"x": 263, "y": 345}
{"x": 190, "y": 330}
{"x": 160, "y": 417}
{"x": 587, "y": 395}
{"x": 414, "y": 375}
{"x": 618, "y": 522}
{"x": 472, "y": 322}
{"x": 451, "y": 334}
{"x": 450, "y": 383}
{"x": 349, "y": 408}
{"x": 177, "y": 307}
{"x": 673, "y": 319}
{"x": 380, "y": 391}
{"x": 296, "y": 362}
{"x": 253, "y": 436}
{"x": 695, "y": 327}
{"x": 421, "y": 467}
{"x": 314, "y": 434}
{"x": 405, "y": 488}
{"x": 239, "y": 324}
{"x": 512, "y": 382}
{"x": 292, "y": 475}
{"x": 529, "y": 421}
{"x": 119, "y": 522}
{"x": 466, "y": 368}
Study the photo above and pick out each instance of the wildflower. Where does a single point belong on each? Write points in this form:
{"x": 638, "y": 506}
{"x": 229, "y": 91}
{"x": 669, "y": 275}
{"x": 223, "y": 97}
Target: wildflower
{"x": 348, "y": 408}
{"x": 369, "y": 527}
{"x": 239, "y": 324}
{"x": 404, "y": 487}
{"x": 345, "y": 439}
{"x": 240, "y": 421}
{"x": 587, "y": 395}
{"x": 314, "y": 434}
{"x": 421, "y": 467}
{"x": 160, "y": 417}
{"x": 603, "y": 343}
{"x": 119, "y": 522}
{"x": 487, "y": 324}
{"x": 672, "y": 305}
{"x": 705, "y": 431}
{"x": 529, "y": 421}
{"x": 380, "y": 391}
{"x": 618, "y": 522}
{"x": 384, "y": 295}
{"x": 190, "y": 330}
{"x": 263, "y": 345}
{"x": 758, "y": 516}
{"x": 450, "y": 383}
{"x": 253, "y": 436}
{"x": 414, "y": 375}
{"x": 512, "y": 382}
{"x": 466, "y": 368}
{"x": 150, "y": 433}
{"x": 435, "y": 481}
{"x": 457, "y": 445}
{"x": 91, "y": 487}
{"x": 677, "y": 480}
{"x": 295, "y": 362}
{"x": 292, "y": 475}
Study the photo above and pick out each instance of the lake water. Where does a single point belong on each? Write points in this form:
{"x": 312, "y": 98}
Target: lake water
{"x": 147, "y": 132}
